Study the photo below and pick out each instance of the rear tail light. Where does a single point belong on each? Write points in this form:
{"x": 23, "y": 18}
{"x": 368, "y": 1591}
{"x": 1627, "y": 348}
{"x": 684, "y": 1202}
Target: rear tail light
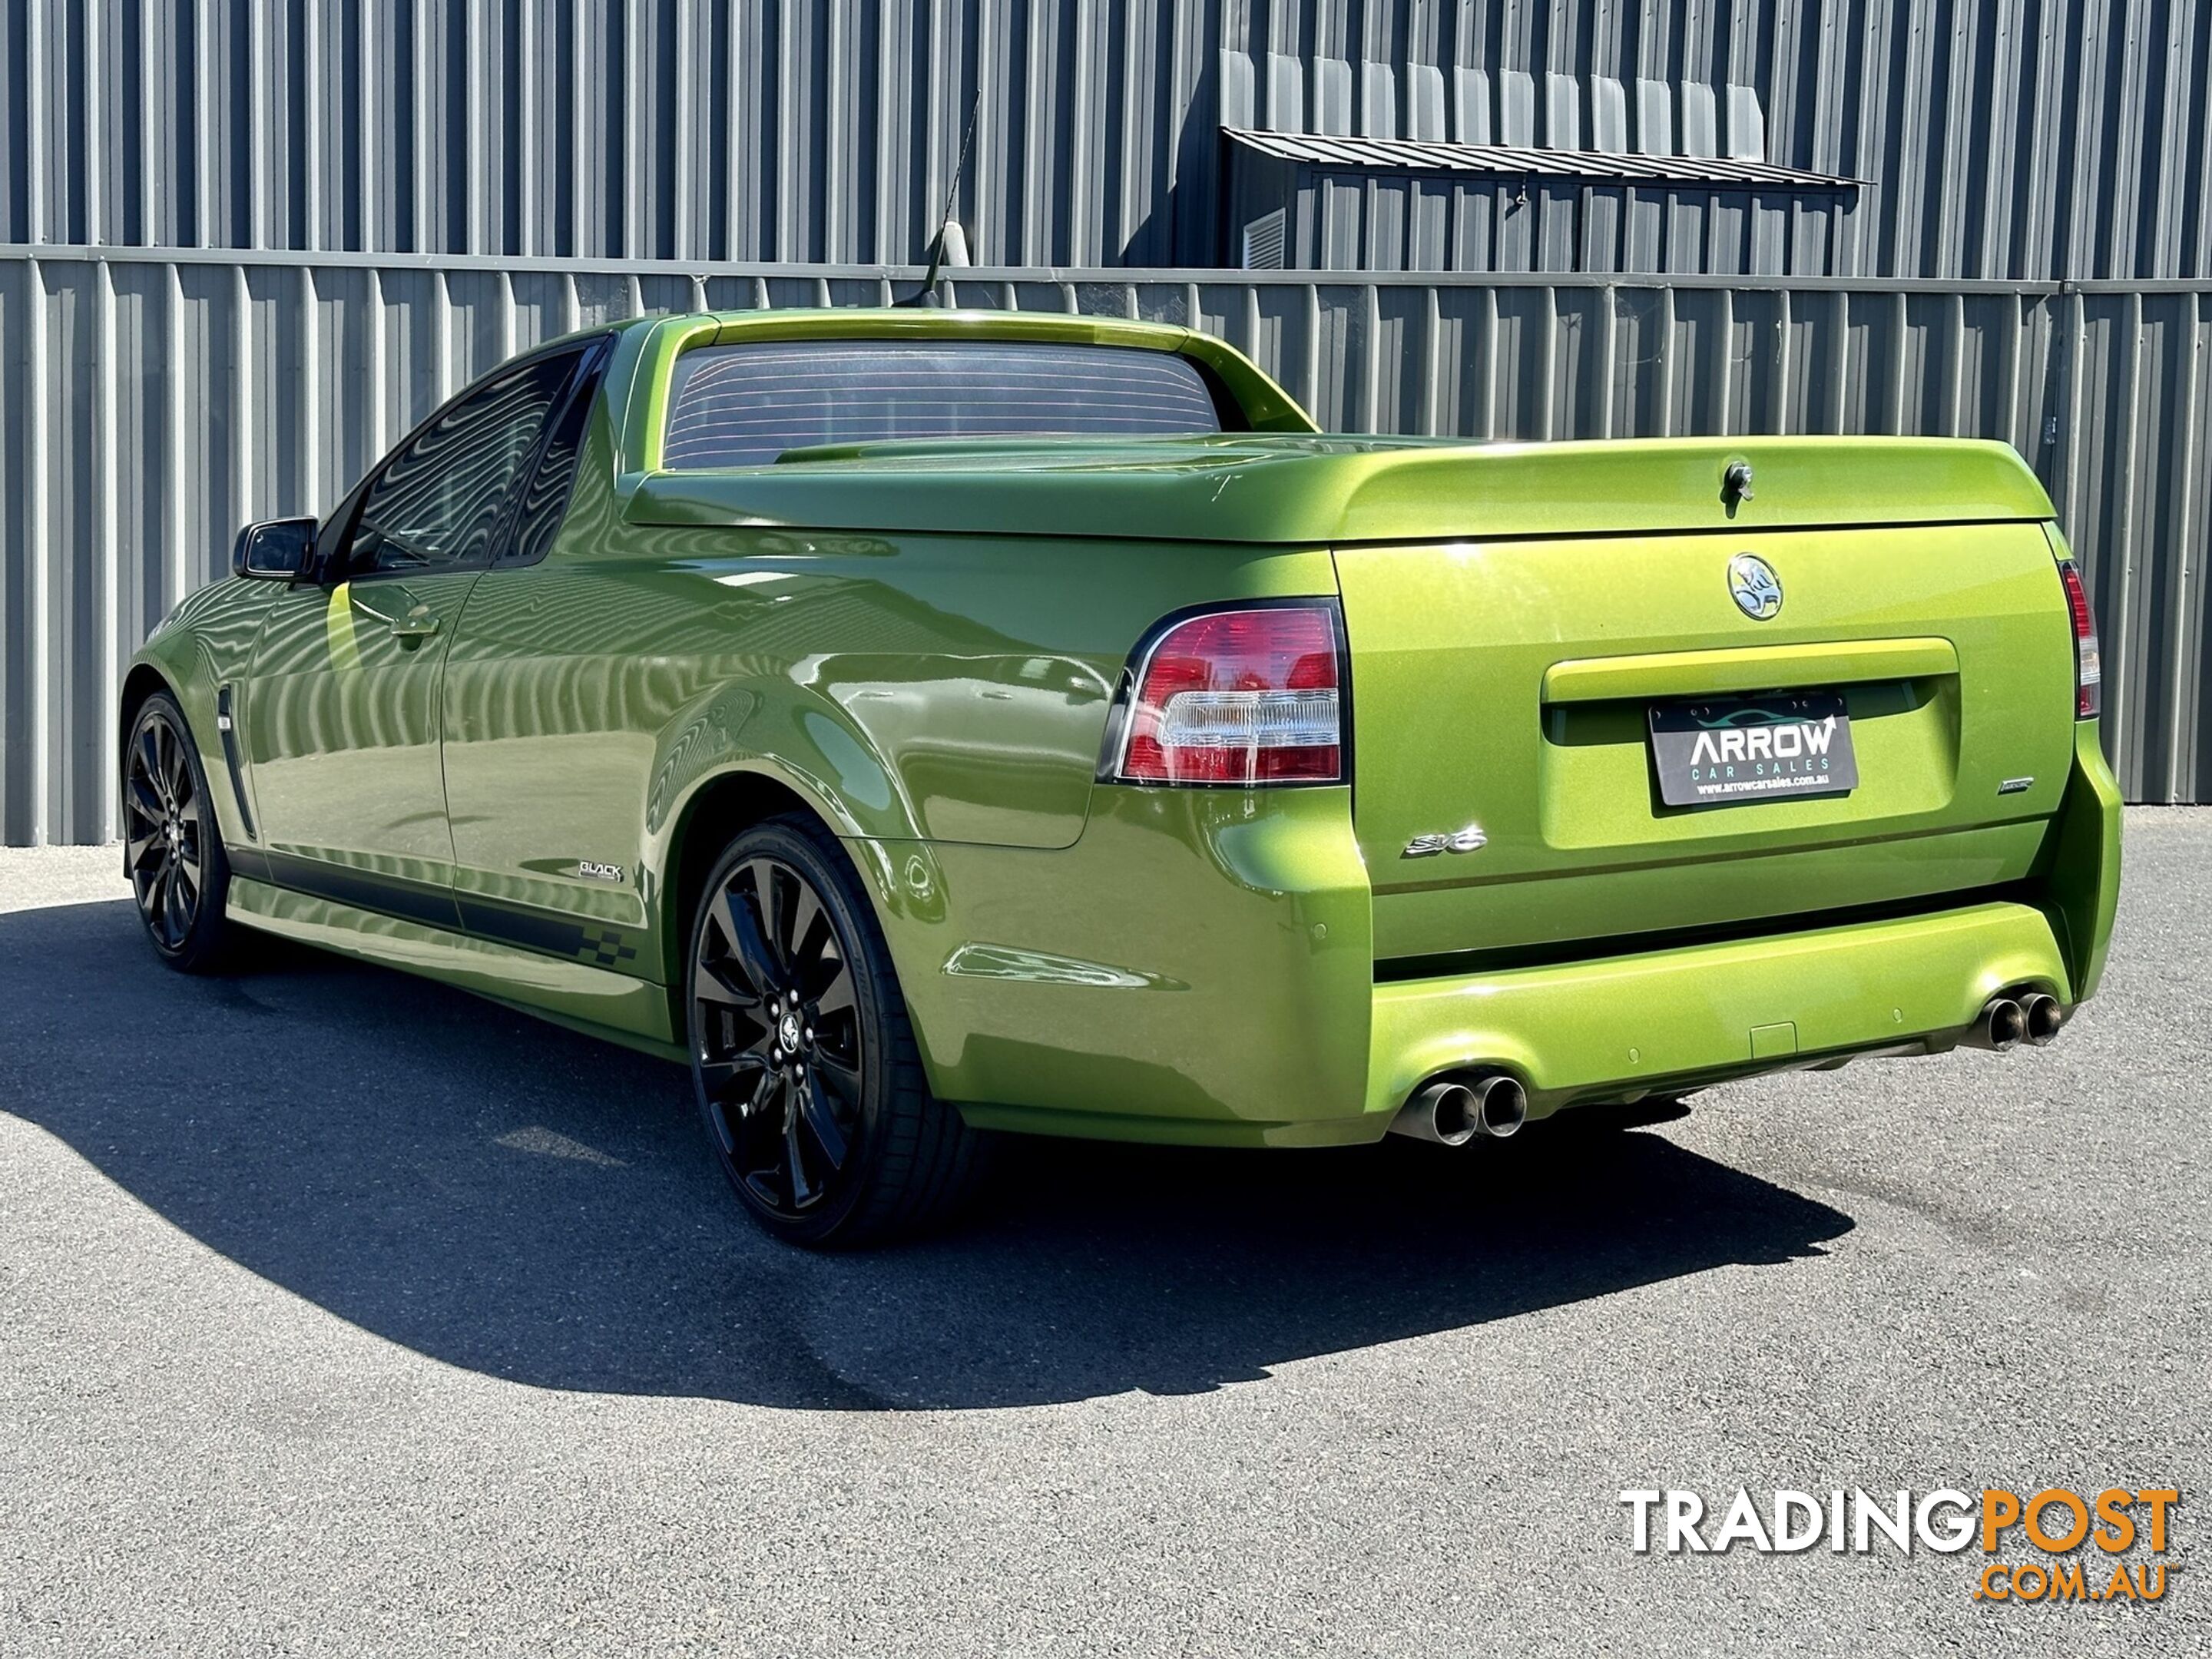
{"x": 2089, "y": 668}
{"x": 1242, "y": 696}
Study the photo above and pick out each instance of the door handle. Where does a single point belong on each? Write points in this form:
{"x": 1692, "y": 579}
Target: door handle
{"x": 416, "y": 626}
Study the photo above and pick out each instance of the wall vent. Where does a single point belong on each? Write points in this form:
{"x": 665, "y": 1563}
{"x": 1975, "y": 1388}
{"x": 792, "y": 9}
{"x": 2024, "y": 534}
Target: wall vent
{"x": 1263, "y": 242}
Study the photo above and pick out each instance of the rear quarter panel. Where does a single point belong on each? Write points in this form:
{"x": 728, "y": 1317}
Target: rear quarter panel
{"x": 909, "y": 688}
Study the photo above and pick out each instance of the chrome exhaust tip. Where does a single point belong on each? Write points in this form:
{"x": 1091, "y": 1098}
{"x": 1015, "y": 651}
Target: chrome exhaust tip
{"x": 1501, "y": 1107}
{"x": 2041, "y": 1016}
{"x": 1442, "y": 1112}
{"x": 2001, "y": 1025}
{"x": 1450, "y": 1111}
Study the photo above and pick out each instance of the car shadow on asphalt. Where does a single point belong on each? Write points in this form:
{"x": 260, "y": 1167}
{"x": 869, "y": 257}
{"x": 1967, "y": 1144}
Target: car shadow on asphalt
{"x": 505, "y": 1196}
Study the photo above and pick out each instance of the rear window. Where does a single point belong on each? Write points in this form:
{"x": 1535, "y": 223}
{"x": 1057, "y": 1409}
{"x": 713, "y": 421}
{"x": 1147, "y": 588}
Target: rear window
{"x": 743, "y": 405}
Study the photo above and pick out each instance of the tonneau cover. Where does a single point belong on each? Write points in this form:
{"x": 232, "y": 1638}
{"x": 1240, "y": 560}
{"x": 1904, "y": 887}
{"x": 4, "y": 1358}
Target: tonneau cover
{"x": 1322, "y": 490}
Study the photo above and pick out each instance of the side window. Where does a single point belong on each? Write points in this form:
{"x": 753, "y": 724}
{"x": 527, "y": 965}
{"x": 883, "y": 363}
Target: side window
{"x": 440, "y": 502}
{"x": 546, "y": 498}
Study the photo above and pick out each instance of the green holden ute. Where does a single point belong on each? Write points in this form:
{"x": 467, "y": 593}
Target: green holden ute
{"x": 924, "y": 724}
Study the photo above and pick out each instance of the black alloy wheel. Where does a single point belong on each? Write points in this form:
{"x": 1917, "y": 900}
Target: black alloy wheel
{"x": 172, "y": 848}
{"x": 806, "y": 1072}
{"x": 782, "y": 1051}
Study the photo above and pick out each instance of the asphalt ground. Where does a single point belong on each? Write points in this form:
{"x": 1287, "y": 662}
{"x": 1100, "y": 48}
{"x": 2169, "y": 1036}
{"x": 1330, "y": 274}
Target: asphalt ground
{"x": 341, "y": 1313}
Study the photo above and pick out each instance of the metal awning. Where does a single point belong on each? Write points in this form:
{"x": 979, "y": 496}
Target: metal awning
{"x": 1518, "y": 161}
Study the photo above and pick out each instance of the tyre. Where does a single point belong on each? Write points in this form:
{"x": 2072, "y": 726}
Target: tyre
{"x": 172, "y": 848}
{"x": 803, "y": 1060}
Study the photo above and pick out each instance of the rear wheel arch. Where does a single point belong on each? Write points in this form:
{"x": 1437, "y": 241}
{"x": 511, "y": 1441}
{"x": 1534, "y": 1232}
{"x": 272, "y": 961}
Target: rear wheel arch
{"x": 719, "y": 811}
{"x": 810, "y": 1083}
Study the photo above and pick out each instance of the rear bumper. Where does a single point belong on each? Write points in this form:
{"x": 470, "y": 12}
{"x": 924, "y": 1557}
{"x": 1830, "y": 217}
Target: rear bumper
{"x": 1196, "y": 971}
{"x": 1623, "y": 1027}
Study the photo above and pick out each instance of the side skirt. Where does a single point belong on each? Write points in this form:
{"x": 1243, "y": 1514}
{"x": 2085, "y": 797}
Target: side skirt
{"x": 580, "y": 995}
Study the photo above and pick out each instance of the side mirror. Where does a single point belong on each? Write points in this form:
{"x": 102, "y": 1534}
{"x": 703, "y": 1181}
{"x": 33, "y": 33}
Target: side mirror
{"x": 277, "y": 549}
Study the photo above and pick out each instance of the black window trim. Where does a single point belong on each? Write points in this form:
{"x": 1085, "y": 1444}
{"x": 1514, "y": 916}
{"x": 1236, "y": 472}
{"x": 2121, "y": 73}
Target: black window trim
{"x": 329, "y": 567}
{"x": 583, "y": 383}
{"x": 1232, "y": 416}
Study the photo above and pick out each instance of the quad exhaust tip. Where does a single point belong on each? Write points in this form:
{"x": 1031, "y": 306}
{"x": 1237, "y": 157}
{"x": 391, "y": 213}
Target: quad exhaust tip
{"x": 2042, "y": 1016}
{"x": 2011, "y": 1019}
{"x": 2003, "y": 1025}
{"x": 1450, "y": 1111}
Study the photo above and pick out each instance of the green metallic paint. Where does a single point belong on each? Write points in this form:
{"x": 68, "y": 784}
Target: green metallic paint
{"x": 919, "y": 642}
{"x": 1746, "y": 668}
{"x": 1207, "y": 960}
{"x": 340, "y": 724}
{"x": 1272, "y": 489}
{"x": 582, "y": 995}
{"x": 2081, "y": 864}
{"x": 1694, "y": 889}
{"x": 1622, "y": 1027}
{"x": 1454, "y": 645}
{"x": 205, "y": 643}
{"x": 822, "y": 663}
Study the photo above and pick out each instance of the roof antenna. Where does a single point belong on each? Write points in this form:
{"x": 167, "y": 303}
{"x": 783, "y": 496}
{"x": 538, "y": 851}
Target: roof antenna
{"x": 925, "y": 293}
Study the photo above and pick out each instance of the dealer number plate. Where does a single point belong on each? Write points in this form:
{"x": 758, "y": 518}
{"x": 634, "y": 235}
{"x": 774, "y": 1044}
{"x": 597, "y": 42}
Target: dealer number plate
{"x": 1728, "y": 750}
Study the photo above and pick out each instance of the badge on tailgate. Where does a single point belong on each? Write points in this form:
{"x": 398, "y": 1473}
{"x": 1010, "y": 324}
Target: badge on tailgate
{"x": 1726, "y": 750}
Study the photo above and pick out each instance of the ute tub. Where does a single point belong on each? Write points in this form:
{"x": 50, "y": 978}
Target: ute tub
{"x": 1624, "y": 1026}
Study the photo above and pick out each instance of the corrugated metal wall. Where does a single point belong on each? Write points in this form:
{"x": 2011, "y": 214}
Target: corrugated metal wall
{"x": 159, "y": 401}
{"x": 2024, "y": 139}
{"x": 441, "y": 181}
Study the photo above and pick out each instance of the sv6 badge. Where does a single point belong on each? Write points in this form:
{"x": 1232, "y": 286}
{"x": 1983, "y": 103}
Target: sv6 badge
{"x": 1454, "y": 841}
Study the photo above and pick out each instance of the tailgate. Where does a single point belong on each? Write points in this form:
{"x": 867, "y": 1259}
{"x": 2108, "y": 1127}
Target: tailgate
{"x": 1506, "y": 687}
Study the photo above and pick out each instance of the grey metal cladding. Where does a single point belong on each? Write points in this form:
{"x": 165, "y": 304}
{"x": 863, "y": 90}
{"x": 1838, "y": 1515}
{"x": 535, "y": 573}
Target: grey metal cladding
{"x": 2030, "y": 139}
{"x": 163, "y": 398}
{"x": 327, "y": 213}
